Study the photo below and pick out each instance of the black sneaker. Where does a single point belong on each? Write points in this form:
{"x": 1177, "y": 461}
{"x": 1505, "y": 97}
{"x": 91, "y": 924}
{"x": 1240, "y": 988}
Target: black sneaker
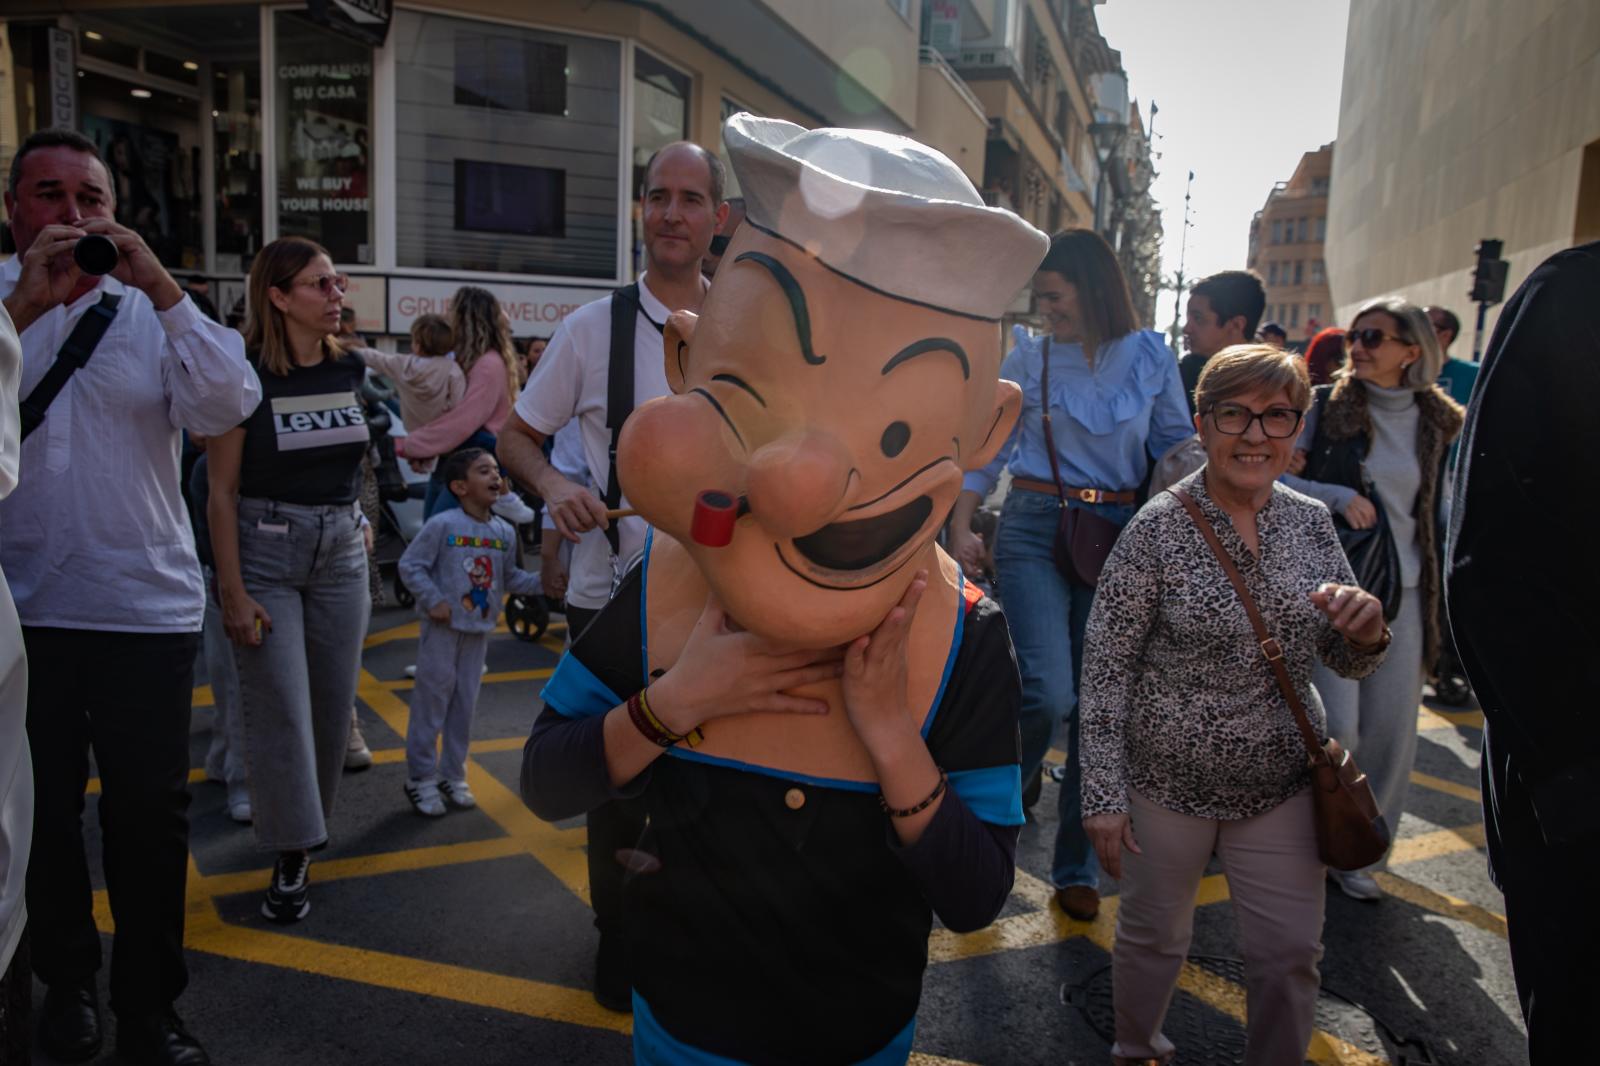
{"x": 289, "y": 894}
{"x": 159, "y": 1040}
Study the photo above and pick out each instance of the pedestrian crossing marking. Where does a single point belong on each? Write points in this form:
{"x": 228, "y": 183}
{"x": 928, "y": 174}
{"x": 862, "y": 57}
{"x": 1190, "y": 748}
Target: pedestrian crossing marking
{"x": 1441, "y": 903}
{"x": 1439, "y": 784}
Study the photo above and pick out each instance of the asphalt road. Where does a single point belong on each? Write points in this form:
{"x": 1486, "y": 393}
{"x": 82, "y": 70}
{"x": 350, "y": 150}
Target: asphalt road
{"x": 466, "y": 939}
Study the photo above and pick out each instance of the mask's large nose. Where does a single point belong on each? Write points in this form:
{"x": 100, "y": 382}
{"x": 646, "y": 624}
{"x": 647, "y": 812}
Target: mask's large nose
{"x": 797, "y": 484}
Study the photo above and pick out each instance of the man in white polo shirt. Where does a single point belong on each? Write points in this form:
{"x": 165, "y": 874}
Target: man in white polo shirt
{"x": 682, "y": 207}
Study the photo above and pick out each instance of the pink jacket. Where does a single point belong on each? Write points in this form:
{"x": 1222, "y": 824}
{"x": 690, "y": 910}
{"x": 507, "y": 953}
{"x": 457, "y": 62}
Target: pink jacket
{"x": 486, "y": 405}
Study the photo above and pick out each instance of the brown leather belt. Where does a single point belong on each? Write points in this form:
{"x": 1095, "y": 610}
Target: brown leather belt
{"x": 1083, "y": 495}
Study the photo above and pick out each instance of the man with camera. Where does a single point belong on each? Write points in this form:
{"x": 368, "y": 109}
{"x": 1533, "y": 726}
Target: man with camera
{"x": 96, "y": 544}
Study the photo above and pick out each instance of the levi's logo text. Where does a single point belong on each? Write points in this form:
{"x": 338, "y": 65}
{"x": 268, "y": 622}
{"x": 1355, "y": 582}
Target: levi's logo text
{"x": 456, "y": 540}
{"x": 318, "y": 421}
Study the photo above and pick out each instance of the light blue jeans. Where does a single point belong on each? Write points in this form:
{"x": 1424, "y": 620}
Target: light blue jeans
{"x": 1047, "y": 615}
{"x": 307, "y": 566}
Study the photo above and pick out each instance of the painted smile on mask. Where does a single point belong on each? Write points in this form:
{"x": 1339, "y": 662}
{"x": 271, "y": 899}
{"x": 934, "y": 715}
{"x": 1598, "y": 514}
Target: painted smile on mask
{"x": 849, "y": 546}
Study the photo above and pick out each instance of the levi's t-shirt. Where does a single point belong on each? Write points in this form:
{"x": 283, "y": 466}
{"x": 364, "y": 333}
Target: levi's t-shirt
{"x": 304, "y": 442}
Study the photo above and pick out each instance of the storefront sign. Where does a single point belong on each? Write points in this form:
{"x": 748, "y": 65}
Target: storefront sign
{"x": 534, "y": 310}
{"x": 366, "y": 21}
{"x": 324, "y": 117}
{"x": 366, "y": 296}
{"x": 63, "y": 80}
{"x": 943, "y": 27}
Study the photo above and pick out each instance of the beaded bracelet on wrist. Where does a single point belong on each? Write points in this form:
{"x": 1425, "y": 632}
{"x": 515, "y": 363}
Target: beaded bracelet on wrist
{"x": 907, "y": 812}
{"x": 654, "y": 730}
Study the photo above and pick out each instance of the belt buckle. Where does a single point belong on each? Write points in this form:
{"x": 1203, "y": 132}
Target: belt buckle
{"x": 1272, "y": 649}
{"x": 1089, "y": 495}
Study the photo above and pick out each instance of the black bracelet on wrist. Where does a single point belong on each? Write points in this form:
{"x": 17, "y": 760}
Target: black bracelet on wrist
{"x": 938, "y": 790}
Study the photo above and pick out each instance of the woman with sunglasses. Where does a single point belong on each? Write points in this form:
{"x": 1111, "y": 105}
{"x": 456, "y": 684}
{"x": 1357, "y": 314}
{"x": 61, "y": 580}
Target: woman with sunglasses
{"x": 290, "y": 545}
{"x": 488, "y": 358}
{"x": 1189, "y": 748}
{"x": 1378, "y": 437}
{"x": 1101, "y": 401}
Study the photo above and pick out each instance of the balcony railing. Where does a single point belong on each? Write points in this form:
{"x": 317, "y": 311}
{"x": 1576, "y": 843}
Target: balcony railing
{"x": 930, "y": 57}
{"x": 992, "y": 57}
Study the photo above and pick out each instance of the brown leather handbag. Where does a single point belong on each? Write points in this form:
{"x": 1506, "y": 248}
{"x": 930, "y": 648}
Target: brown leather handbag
{"x": 1083, "y": 538}
{"x": 1351, "y": 831}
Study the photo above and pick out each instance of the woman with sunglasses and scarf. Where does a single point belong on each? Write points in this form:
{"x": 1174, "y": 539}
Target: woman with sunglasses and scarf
{"x": 1378, "y": 437}
{"x": 290, "y": 546}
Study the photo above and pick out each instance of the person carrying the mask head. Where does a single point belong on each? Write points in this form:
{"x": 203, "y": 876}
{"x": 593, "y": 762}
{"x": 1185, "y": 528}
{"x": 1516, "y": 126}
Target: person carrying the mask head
{"x": 816, "y": 710}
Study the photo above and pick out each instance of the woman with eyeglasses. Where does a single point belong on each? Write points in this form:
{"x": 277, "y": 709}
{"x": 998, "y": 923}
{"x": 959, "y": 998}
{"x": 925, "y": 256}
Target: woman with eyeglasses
{"x": 1102, "y": 400}
{"x": 488, "y": 358}
{"x": 1374, "y": 448}
{"x": 1189, "y": 747}
{"x": 290, "y": 546}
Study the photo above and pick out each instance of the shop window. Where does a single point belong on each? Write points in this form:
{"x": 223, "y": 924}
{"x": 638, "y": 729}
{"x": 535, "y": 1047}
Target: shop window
{"x": 509, "y": 169}
{"x": 236, "y": 125}
{"x": 511, "y": 73}
{"x": 323, "y": 93}
{"x": 729, "y": 109}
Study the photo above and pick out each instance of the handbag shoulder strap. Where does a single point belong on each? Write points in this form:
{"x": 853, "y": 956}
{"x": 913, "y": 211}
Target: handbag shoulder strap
{"x": 72, "y": 357}
{"x": 1049, "y": 437}
{"x": 1269, "y": 647}
{"x": 625, "y": 309}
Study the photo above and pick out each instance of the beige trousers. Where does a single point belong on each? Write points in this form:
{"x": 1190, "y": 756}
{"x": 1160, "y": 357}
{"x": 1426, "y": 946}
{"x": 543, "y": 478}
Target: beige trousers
{"x": 1276, "y": 883}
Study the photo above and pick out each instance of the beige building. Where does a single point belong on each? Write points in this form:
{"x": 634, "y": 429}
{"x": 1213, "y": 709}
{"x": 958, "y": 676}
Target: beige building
{"x": 491, "y": 142}
{"x": 1286, "y": 248}
{"x": 1461, "y": 121}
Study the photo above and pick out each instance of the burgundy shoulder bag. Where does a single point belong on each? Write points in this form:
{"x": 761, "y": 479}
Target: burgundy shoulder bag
{"x": 1083, "y": 538}
{"x": 1351, "y": 831}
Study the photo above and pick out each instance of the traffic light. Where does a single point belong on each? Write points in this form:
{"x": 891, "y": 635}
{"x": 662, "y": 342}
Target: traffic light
{"x": 1489, "y": 276}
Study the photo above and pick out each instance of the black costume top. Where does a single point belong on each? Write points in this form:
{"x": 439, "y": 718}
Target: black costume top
{"x": 1523, "y": 580}
{"x": 779, "y": 935}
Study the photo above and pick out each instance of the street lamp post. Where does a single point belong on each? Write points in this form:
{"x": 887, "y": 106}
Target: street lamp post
{"x": 1108, "y": 138}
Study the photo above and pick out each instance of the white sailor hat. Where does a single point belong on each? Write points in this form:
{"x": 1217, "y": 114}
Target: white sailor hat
{"x": 885, "y": 211}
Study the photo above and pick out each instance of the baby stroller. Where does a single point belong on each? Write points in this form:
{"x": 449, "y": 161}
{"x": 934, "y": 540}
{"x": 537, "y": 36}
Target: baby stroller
{"x": 400, "y": 492}
{"x": 527, "y": 617}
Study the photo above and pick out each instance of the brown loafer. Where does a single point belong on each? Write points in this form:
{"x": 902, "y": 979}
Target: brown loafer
{"x": 1079, "y": 901}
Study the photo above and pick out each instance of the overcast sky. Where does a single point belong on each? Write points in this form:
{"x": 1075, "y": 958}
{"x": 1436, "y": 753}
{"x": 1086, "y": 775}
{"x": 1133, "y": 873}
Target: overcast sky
{"x": 1245, "y": 87}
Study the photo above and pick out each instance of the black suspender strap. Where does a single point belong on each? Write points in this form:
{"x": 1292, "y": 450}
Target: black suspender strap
{"x": 625, "y": 310}
{"x": 74, "y": 354}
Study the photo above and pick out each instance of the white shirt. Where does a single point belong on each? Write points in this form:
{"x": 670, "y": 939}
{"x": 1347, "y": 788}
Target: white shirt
{"x": 16, "y": 764}
{"x": 96, "y": 535}
{"x": 570, "y": 383}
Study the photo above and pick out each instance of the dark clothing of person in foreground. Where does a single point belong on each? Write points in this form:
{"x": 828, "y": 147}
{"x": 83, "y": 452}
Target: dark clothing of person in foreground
{"x": 1523, "y": 593}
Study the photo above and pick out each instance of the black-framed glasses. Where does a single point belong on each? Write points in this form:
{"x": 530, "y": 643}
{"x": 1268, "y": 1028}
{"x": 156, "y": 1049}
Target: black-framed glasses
{"x": 1234, "y": 419}
{"x": 1371, "y": 338}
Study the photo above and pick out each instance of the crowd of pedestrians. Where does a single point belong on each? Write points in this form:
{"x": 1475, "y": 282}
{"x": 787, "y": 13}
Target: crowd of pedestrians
{"x": 1327, "y": 479}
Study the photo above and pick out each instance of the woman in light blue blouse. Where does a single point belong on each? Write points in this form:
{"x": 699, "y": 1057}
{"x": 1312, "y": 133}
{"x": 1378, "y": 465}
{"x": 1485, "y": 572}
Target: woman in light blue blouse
{"x": 1116, "y": 405}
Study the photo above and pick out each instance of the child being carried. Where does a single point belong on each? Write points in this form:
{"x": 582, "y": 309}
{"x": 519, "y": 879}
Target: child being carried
{"x": 430, "y": 382}
{"x": 459, "y": 567}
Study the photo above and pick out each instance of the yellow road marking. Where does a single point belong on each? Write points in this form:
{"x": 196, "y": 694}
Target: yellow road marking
{"x": 1440, "y": 903}
{"x": 1438, "y": 842}
{"x": 375, "y": 865}
{"x": 488, "y": 679}
{"x": 1428, "y": 718}
{"x": 1439, "y": 784}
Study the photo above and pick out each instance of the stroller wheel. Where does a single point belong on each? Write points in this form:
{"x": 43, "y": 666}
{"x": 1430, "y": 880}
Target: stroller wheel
{"x": 527, "y": 617}
{"x": 402, "y": 595}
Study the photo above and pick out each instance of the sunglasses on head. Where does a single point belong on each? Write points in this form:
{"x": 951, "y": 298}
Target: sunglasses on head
{"x": 1371, "y": 338}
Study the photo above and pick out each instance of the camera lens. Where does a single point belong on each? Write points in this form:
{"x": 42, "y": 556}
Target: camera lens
{"x": 95, "y": 254}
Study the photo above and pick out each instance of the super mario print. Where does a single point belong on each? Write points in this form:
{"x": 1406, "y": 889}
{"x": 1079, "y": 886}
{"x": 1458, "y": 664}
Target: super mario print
{"x": 480, "y": 572}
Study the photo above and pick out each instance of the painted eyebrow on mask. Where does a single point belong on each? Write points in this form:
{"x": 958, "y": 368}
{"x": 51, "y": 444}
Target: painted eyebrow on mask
{"x": 797, "y": 301}
{"x": 932, "y": 344}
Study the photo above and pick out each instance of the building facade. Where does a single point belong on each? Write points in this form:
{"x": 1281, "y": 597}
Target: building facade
{"x": 498, "y": 143}
{"x": 487, "y": 142}
{"x": 1460, "y": 121}
{"x": 1286, "y": 248}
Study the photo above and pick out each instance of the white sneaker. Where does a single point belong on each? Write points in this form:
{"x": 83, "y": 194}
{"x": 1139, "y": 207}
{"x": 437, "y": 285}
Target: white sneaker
{"x": 1357, "y": 884}
{"x": 411, "y": 670}
{"x": 239, "y": 810}
{"x": 458, "y": 794}
{"x": 424, "y": 796}
{"x": 512, "y": 509}
{"x": 357, "y": 756}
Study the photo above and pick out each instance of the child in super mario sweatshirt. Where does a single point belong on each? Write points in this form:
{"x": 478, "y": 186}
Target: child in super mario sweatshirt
{"x": 458, "y": 568}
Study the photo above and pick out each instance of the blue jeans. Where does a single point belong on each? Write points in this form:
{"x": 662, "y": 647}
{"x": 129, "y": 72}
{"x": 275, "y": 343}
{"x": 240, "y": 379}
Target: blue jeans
{"x": 1038, "y": 599}
{"x": 439, "y": 497}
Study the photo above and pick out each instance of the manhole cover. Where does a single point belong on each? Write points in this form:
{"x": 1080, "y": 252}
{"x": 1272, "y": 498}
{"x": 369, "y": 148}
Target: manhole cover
{"x": 1205, "y": 1035}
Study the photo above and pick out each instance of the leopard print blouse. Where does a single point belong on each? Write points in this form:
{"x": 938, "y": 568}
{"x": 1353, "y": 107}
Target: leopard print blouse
{"x": 1176, "y": 698}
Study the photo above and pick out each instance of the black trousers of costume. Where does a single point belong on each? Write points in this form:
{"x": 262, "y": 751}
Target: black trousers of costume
{"x": 127, "y": 696}
{"x": 1550, "y": 920}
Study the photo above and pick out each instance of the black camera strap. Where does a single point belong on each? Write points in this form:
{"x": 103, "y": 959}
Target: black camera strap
{"x": 72, "y": 357}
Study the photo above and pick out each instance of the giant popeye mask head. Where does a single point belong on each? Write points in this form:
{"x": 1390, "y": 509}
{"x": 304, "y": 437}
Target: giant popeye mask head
{"x": 841, "y": 378}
